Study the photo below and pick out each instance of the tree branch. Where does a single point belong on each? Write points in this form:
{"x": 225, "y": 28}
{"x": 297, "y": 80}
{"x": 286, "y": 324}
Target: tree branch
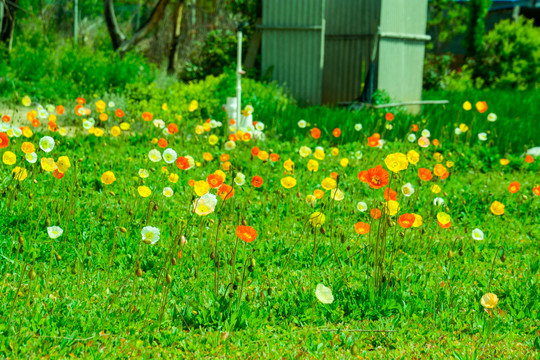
{"x": 117, "y": 37}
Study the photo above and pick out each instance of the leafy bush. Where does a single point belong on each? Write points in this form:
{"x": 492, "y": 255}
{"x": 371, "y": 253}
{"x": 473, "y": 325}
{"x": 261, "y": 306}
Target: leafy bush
{"x": 61, "y": 71}
{"x": 511, "y": 55}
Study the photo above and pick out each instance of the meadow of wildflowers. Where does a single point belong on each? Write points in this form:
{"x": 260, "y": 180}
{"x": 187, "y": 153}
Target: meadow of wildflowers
{"x": 175, "y": 232}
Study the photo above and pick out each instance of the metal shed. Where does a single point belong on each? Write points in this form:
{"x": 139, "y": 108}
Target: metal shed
{"x": 321, "y": 49}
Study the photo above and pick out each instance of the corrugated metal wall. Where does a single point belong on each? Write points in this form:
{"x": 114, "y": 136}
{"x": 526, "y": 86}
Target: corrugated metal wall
{"x": 401, "y": 57}
{"x": 350, "y": 30}
{"x": 293, "y": 45}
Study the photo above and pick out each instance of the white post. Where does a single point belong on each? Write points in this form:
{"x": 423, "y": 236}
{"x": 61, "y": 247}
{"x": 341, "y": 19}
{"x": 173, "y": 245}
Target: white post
{"x": 75, "y": 21}
{"x": 238, "y": 80}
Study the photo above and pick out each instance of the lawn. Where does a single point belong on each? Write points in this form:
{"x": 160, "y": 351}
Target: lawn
{"x": 125, "y": 236}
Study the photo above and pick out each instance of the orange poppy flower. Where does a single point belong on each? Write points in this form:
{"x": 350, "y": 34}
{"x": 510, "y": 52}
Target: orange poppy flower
{"x": 536, "y": 190}
{"x": 232, "y": 137}
{"x": 274, "y": 157}
{"x": 4, "y": 140}
{"x": 81, "y": 101}
{"x": 514, "y": 187}
{"x": 119, "y": 113}
{"x": 436, "y": 142}
{"x": 182, "y": 163}
{"x": 52, "y": 126}
{"x": 103, "y": 117}
{"x": 6, "y": 119}
{"x": 60, "y": 109}
{"x": 392, "y": 193}
{"x": 389, "y": 116}
{"x": 529, "y": 159}
{"x": 318, "y": 193}
{"x": 226, "y": 165}
{"x": 481, "y": 106}
{"x": 255, "y": 151}
{"x": 444, "y": 175}
{"x": 147, "y": 116}
{"x": 373, "y": 141}
{"x": 246, "y": 136}
{"x": 375, "y": 213}
{"x": 362, "y": 175}
{"x": 425, "y": 174}
{"x": 334, "y": 175}
{"x": 232, "y": 121}
{"x": 377, "y": 177}
{"x": 191, "y": 182}
{"x": 257, "y": 181}
{"x": 406, "y": 220}
{"x": 246, "y": 233}
{"x": 361, "y": 228}
{"x": 214, "y": 181}
{"x": 173, "y": 129}
{"x": 224, "y": 157}
{"x": 162, "y": 143}
{"x": 35, "y": 123}
{"x": 336, "y": 132}
{"x": 31, "y": 115}
{"x": 225, "y": 191}
{"x": 316, "y": 133}
{"x": 414, "y": 127}
{"x": 439, "y": 170}
{"x": 57, "y": 174}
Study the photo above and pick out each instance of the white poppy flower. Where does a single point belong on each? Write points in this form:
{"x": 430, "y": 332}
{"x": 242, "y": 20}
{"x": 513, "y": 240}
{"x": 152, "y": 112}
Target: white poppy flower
{"x": 426, "y": 133}
{"x": 159, "y": 123}
{"x": 240, "y": 179}
{"x": 492, "y": 117}
{"x": 17, "y": 132}
{"x": 358, "y": 127}
{"x": 213, "y": 124}
{"x": 458, "y": 131}
{"x": 411, "y": 137}
{"x": 55, "y": 232}
{"x": 143, "y": 173}
{"x": 31, "y": 158}
{"x": 482, "y": 136}
{"x": 46, "y": 143}
{"x": 337, "y": 194}
{"x": 302, "y": 124}
{"x": 150, "y": 234}
{"x": 407, "y": 189}
{"x": 165, "y": 132}
{"x": 205, "y": 205}
{"x": 230, "y": 145}
{"x": 259, "y": 126}
{"x": 361, "y": 206}
{"x": 324, "y": 294}
{"x": 154, "y": 155}
{"x": 168, "y": 192}
{"x": 358, "y": 154}
{"x": 438, "y": 201}
{"x": 169, "y": 155}
{"x": 111, "y": 104}
{"x": 478, "y": 234}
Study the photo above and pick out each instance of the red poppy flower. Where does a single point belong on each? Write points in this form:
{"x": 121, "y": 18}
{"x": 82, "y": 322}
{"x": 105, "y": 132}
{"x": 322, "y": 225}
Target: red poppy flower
{"x": 246, "y": 233}
{"x": 119, "y": 113}
{"x": 182, "y": 163}
{"x": 406, "y": 220}
{"x": 377, "y": 177}
{"x": 336, "y": 132}
{"x": 225, "y": 191}
{"x": 316, "y": 133}
{"x": 224, "y": 157}
{"x": 536, "y": 190}
{"x": 257, "y": 181}
{"x": 81, "y": 101}
{"x": 162, "y": 143}
{"x": 529, "y": 159}
{"x": 373, "y": 141}
{"x": 361, "y": 228}
{"x": 414, "y": 128}
{"x": 35, "y": 123}
{"x": 214, "y": 181}
{"x": 375, "y": 213}
{"x": 173, "y": 128}
{"x": 60, "y": 109}
{"x": 334, "y": 175}
{"x": 232, "y": 137}
{"x": 514, "y": 187}
{"x": 436, "y": 142}
{"x": 52, "y": 126}
{"x": 57, "y": 174}
{"x": 147, "y": 116}
{"x": 392, "y": 193}
{"x": 389, "y": 116}
{"x": 425, "y": 174}
{"x": 4, "y": 140}
{"x": 246, "y": 136}
{"x": 6, "y": 119}
{"x": 255, "y": 151}
{"x": 274, "y": 157}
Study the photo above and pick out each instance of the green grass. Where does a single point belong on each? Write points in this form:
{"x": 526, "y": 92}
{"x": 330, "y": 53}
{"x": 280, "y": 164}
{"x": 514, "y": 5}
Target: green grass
{"x": 86, "y": 300}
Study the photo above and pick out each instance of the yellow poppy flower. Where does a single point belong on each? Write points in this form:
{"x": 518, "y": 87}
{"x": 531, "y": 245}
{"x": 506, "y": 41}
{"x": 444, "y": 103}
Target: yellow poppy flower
{"x": 396, "y": 162}
{"x": 108, "y": 178}
{"x": 288, "y": 182}
{"x": 144, "y": 191}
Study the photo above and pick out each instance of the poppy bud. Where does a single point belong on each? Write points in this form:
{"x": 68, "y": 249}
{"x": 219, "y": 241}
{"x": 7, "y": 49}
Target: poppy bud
{"x": 235, "y": 287}
{"x": 244, "y": 222}
{"x": 323, "y": 231}
{"x": 349, "y": 248}
{"x": 89, "y": 253}
{"x": 173, "y": 260}
{"x": 156, "y": 207}
{"x": 130, "y": 212}
{"x": 112, "y": 193}
{"x": 343, "y": 238}
{"x": 32, "y": 274}
{"x": 503, "y": 257}
{"x": 30, "y": 195}
{"x": 298, "y": 194}
{"x": 450, "y": 254}
{"x": 21, "y": 240}
{"x": 168, "y": 278}
{"x": 48, "y": 221}
{"x": 231, "y": 295}
{"x": 74, "y": 270}
{"x": 139, "y": 272}
{"x": 250, "y": 268}
{"x": 269, "y": 291}
{"x": 212, "y": 256}
{"x": 253, "y": 263}
{"x": 35, "y": 181}
{"x": 402, "y": 234}
{"x": 183, "y": 240}
{"x": 122, "y": 229}
{"x": 57, "y": 256}
{"x": 461, "y": 252}
{"x": 355, "y": 351}
{"x": 525, "y": 197}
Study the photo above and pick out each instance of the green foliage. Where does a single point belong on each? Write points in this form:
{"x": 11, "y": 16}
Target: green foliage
{"x": 512, "y": 55}
{"x": 53, "y": 71}
{"x": 436, "y": 71}
{"x": 445, "y": 21}
{"x": 476, "y": 27}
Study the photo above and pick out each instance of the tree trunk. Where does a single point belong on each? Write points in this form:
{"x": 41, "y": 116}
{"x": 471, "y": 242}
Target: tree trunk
{"x": 119, "y": 40}
{"x": 177, "y": 28}
{"x": 8, "y": 22}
